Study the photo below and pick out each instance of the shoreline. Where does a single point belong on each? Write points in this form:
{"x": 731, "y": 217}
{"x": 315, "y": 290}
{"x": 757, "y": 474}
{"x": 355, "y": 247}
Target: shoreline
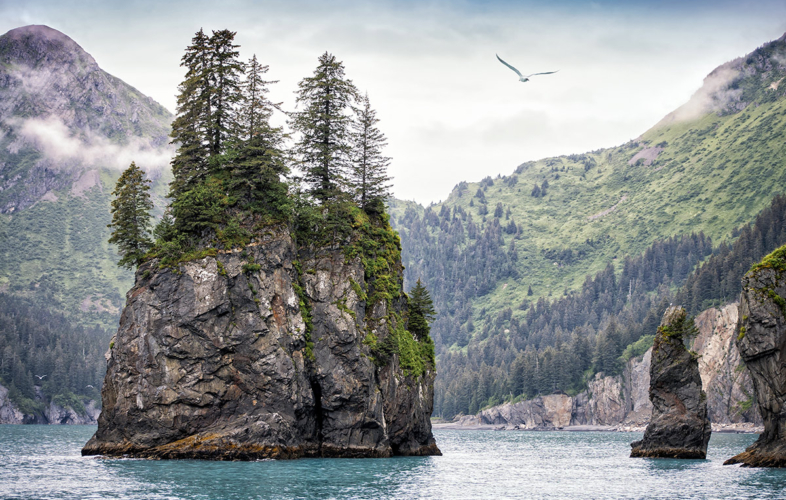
{"x": 716, "y": 428}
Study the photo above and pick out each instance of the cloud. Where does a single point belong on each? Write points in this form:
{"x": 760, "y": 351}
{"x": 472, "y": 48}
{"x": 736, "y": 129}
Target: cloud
{"x": 713, "y": 96}
{"x": 55, "y": 141}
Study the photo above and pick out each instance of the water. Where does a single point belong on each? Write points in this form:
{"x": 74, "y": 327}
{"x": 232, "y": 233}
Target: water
{"x": 44, "y": 462}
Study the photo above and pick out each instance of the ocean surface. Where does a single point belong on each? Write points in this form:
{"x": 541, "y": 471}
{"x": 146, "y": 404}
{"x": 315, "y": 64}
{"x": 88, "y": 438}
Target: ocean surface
{"x": 44, "y": 462}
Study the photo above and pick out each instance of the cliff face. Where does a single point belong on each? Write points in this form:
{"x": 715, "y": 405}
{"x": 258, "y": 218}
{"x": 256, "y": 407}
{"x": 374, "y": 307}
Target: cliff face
{"x": 52, "y": 413}
{"x": 761, "y": 340}
{"x": 624, "y": 399}
{"x": 240, "y": 356}
{"x": 679, "y": 427}
{"x": 725, "y": 379}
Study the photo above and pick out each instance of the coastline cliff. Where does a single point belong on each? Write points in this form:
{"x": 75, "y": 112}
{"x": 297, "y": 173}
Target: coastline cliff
{"x": 269, "y": 351}
{"x": 622, "y": 401}
{"x": 761, "y": 339}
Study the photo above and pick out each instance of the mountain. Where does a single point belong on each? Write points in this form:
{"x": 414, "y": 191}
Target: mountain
{"x": 566, "y": 256}
{"x": 67, "y": 128}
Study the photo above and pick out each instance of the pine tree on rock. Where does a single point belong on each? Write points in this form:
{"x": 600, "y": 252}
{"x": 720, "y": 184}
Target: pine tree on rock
{"x": 368, "y": 180}
{"x": 192, "y": 122}
{"x": 131, "y": 216}
{"x": 225, "y": 73}
{"x": 260, "y": 158}
{"x": 324, "y": 125}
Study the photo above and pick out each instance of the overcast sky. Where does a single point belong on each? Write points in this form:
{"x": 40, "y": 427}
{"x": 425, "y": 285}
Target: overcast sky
{"x": 450, "y": 110}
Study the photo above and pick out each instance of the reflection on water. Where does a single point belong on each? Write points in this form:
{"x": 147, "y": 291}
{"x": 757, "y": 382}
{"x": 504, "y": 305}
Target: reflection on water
{"x": 44, "y": 462}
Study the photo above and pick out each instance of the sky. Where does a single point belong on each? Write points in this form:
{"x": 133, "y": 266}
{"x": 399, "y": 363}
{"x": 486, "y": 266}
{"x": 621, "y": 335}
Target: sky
{"x": 450, "y": 110}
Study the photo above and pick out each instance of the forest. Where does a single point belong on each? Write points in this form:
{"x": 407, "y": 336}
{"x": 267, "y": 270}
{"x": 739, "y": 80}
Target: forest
{"x": 545, "y": 346}
{"x": 42, "y": 348}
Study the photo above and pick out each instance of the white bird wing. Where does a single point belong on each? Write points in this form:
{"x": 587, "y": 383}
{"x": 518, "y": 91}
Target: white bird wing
{"x": 546, "y": 73}
{"x": 509, "y": 66}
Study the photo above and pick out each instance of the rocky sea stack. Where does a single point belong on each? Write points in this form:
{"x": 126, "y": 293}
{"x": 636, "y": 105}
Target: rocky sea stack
{"x": 679, "y": 427}
{"x": 761, "y": 341}
{"x": 269, "y": 351}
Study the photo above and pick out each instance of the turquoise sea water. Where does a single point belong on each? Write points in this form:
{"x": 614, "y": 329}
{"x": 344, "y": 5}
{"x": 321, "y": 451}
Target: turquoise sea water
{"x": 44, "y": 462}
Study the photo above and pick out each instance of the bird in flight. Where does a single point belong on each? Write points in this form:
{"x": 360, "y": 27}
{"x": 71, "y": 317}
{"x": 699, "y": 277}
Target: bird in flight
{"x": 523, "y": 78}
{"x": 40, "y": 377}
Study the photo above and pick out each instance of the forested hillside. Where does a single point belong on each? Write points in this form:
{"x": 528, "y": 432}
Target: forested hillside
{"x": 66, "y": 130}
{"x": 509, "y": 259}
{"x": 39, "y": 347}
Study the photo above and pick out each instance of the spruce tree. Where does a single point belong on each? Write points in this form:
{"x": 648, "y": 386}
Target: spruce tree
{"x": 131, "y": 216}
{"x": 367, "y": 178}
{"x": 225, "y": 74}
{"x": 324, "y": 125}
{"x": 192, "y": 122}
{"x": 259, "y": 160}
{"x": 421, "y": 311}
{"x": 256, "y": 109}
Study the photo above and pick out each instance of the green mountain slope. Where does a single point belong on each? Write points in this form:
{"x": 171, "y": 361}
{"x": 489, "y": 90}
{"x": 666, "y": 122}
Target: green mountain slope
{"x": 709, "y": 167}
{"x": 67, "y": 128}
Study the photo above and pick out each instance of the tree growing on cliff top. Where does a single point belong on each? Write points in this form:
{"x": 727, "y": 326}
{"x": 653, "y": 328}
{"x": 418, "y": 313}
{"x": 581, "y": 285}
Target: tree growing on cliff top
{"x": 131, "y": 216}
{"x": 367, "y": 178}
{"x": 323, "y": 148}
{"x": 207, "y": 114}
{"x": 192, "y": 122}
{"x": 258, "y": 159}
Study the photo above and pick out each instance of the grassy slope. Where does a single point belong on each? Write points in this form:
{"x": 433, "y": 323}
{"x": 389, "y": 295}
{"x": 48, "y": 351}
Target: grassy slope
{"x": 714, "y": 174}
{"x": 58, "y": 252}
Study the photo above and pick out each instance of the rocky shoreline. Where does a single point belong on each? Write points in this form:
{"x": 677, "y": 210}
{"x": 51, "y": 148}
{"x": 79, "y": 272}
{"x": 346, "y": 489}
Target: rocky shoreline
{"x": 621, "y": 402}
{"x": 741, "y": 428}
{"x": 52, "y": 414}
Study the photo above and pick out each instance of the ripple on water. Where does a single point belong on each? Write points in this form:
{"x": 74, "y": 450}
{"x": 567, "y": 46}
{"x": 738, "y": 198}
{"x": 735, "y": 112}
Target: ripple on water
{"x": 44, "y": 462}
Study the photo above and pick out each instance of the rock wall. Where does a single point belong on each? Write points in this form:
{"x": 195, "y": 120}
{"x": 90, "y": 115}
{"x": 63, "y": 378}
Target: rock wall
{"x": 726, "y": 381}
{"x": 239, "y": 356}
{"x": 9, "y": 413}
{"x": 761, "y": 340}
{"x": 623, "y": 400}
{"x": 52, "y": 413}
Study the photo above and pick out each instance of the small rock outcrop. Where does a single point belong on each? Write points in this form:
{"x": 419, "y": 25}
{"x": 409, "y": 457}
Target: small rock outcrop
{"x": 761, "y": 340}
{"x": 679, "y": 427}
{"x": 264, "y": 353}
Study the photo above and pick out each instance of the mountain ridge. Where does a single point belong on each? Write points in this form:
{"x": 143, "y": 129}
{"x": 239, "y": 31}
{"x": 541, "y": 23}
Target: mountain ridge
{"x": 496, "y": 248}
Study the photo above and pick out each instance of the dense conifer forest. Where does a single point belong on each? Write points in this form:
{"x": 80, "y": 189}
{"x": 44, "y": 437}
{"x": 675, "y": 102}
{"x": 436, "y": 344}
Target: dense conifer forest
{"x": 42, "y": 348}
{"x": 545, "y": 346}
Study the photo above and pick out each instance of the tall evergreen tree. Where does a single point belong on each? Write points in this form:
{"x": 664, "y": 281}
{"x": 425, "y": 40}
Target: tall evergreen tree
{"x": 192, "y": 122}
{"x": 225, "y": 75}
{"x": 368, "y": 180}
{"x": 256, "y": 109}
{"x": 131, "y": 216}
{"x": 260, "y": 160}
{"x": 324, "y": 126}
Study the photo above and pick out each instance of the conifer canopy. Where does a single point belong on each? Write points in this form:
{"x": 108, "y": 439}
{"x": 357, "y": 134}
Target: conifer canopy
{"x": 131, "y": 216}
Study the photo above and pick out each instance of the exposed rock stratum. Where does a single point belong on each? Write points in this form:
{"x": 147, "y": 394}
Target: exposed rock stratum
{"x": 240, "y": 356}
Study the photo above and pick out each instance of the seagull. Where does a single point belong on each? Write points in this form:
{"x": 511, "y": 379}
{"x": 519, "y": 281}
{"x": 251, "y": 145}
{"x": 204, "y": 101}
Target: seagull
{"x": 90, "y": 386}
{"x": 40, "y": 377}
{"x": 523, "y": 78}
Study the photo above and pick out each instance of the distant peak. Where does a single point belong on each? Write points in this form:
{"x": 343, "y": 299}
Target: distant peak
{"x": 38, "y": 31}
{"x": 38, "y": 41}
